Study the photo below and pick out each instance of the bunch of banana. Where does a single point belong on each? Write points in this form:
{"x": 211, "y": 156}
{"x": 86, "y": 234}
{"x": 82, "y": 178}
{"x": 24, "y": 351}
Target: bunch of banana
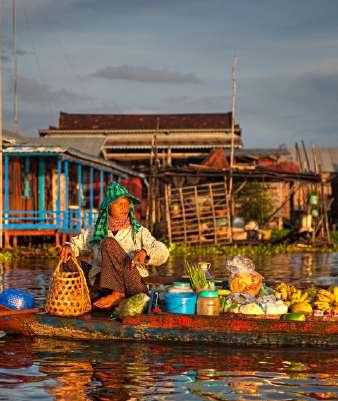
{"x": 284, "y": 291}
{"x": 327, "y": 300}
{"x": 298, "y": 297}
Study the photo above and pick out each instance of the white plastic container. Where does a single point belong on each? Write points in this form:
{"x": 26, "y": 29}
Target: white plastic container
{"x": 180, "y": 287}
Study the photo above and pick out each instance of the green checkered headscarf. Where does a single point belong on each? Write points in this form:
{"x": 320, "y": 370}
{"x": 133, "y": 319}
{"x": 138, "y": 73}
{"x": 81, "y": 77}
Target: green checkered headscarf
{"x": 114, "y": 191}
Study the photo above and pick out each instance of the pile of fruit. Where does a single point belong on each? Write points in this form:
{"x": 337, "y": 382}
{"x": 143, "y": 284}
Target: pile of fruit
{"x": 327, "y": 301}
{"x": 249, "y": 282}
{"x": 310, "y": 300}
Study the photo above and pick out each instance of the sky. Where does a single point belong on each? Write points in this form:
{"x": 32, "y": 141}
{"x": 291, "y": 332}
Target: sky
{"x": 158, "y": 56}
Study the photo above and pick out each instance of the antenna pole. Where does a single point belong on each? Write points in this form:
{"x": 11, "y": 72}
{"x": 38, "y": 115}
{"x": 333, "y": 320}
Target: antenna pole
{"x": 1, "y": 174}
{"x": 15, "y": 72}
{"x": 233, "y": 119}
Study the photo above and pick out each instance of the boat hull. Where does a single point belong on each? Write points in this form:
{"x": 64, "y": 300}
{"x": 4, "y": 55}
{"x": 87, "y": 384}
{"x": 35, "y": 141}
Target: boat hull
{"x": 225, "y": 329}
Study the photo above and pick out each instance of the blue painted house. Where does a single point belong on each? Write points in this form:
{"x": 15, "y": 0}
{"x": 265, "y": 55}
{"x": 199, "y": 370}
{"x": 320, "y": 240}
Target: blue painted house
{"x": 54, "y": 190}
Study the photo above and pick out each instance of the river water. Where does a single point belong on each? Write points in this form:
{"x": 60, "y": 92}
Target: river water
{"x": 49, "y": 369}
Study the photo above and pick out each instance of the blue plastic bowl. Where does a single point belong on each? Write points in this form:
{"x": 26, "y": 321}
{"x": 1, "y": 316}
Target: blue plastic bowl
{"x": 180, "y": 302}
{"x": 16, "y": 299}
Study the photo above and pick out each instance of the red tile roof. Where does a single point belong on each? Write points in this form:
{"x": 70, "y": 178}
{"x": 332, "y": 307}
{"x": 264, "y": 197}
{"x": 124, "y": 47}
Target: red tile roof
{"x": 144, "y": 121}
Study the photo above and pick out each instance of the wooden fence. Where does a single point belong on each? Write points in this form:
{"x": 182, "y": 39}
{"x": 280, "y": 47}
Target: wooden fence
{"x": 198, "y": 214}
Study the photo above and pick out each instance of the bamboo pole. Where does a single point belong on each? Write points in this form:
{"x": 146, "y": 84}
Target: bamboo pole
{"x": 230, "y": 195}
{"x": 306, "y": 157}
{"x": 228, "y": 209}
{"x": 183, "y": 213}
{"x": 1, "y": 173}
{"x": 198, "y": 215}
{"x": 151, "y": 208}
{"x": 213, "y": 213}
{"x": 292, "y": 191}
{"x": 167, "y": 211}
{"x": 233, "y": 121}
{"x": 15, "y": 69}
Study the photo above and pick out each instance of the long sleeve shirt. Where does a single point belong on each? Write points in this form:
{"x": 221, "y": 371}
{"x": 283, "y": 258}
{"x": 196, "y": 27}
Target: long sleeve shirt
{"x": 157, "y": 251}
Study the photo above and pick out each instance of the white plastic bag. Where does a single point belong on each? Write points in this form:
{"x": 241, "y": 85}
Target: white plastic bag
{"x": 243, "y": 277}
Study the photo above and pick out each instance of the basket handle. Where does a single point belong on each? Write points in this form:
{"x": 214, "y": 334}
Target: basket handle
{"x": 79, "y": 270}
{"x": 76, "y": 263}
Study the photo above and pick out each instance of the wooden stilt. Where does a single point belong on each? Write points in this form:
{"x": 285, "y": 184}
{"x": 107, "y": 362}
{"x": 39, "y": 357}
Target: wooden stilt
{"x": 57, "y": 239}
{"x": 7, "y": 240}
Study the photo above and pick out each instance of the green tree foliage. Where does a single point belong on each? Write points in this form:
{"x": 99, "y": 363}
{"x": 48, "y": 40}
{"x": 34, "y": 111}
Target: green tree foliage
{"x": 253, "y": 202}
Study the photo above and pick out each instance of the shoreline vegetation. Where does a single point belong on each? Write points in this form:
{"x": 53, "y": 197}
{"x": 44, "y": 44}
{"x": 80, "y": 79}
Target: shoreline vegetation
{"x": 247, "y": 250}
{"x": 178, "y": 250}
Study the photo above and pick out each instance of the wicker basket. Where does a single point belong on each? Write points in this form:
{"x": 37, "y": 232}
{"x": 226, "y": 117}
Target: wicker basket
{"x": 68, "y": 293}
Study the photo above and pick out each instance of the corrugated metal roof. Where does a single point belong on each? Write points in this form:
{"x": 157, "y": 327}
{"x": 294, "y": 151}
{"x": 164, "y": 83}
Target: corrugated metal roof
{"x": 72, "y": 152}
{"x": 13, "y": 137}
{"x": 327, "y": 158}
{"x": 262, "y": 151}
{"x": 90, "y": 146}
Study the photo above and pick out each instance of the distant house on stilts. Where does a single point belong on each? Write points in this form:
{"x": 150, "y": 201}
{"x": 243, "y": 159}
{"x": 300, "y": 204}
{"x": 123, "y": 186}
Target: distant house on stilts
{"x": 54, "y": 190}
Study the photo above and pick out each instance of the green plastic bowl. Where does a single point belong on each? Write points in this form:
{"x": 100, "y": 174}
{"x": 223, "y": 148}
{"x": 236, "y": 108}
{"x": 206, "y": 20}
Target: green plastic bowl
{"x": 180, "y": 284}
{"x": 208, "y": 294}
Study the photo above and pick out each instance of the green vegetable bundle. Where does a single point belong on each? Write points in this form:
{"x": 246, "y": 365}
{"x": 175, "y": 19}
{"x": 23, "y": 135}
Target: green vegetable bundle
{"x": 196, "y": 276}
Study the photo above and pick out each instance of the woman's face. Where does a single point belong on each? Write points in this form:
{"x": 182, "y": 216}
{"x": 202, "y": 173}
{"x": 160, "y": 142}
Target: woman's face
{"x": 119, "y": 208}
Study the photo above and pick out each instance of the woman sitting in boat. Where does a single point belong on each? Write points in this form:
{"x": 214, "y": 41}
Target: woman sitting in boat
{"x": 120, "y": 247}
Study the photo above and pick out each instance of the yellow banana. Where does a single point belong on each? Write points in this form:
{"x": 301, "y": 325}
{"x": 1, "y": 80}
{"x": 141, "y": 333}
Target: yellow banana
{"x": 303, "y": 297}
{"x": 295, "y": 297}
{"x": 324, "y": 306}
{"x": 284, "y": 293}
{"x": 325, "y": 293}
{"x": 335, "y": 293}
{"x": 324, "y": 298}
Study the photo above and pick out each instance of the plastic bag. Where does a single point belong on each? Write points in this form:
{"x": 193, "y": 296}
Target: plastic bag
{"x": 131, "y": 306}
{"x": 234, "y": 301}
{"x": 243, "y": 277}
{"x": 16, "y": 299}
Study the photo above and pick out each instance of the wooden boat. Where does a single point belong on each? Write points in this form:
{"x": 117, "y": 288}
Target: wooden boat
{"x": 165, "y": 327}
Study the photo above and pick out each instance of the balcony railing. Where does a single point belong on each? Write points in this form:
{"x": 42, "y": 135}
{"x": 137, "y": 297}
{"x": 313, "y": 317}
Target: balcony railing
{"x": 68, "y": 221}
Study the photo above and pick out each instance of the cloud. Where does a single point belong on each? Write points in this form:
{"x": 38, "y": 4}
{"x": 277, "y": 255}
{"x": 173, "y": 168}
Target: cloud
{"x": 145, "y": 74}
{"x": 33, "y": 91}
{"x": 22, "y": 52}
{"x": 290, "y": 108}
{"x": 4, "y": 58}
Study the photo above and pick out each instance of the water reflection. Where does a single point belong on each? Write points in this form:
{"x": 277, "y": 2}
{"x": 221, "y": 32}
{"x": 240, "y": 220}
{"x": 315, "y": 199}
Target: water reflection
{"x": 48, "y": 369}
{"x": 318, "y": 268}
{"x": 66, "y": 370}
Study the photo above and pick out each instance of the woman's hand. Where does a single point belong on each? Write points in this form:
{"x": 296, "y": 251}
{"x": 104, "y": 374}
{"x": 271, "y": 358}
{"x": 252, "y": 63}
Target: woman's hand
{"x": 140, "y": 257}
{"x": 66, "y": 253}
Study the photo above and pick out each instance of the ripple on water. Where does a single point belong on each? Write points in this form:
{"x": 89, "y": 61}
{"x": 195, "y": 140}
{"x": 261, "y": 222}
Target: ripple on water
{"x": 46, "y": 369}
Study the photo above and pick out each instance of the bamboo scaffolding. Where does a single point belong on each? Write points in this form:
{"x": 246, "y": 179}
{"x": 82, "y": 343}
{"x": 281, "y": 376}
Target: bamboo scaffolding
{"x": 229, "y": 214}
{"x": 183, "y": 210}
{"x": 167, "y": 212}
{"x": 213, "y": 212}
